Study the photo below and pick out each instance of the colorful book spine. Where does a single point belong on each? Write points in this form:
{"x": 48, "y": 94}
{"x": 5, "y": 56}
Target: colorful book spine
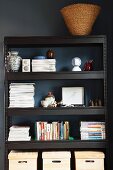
{"x": 52, "y": 131}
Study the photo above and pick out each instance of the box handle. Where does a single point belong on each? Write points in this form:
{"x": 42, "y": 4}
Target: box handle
{"x": 56, "y": 161}
{"x": 90, "y": 161}
{"x": 22, "y": 162}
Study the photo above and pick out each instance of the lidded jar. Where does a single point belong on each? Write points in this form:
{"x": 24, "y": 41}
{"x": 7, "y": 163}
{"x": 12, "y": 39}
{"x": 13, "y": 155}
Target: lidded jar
{"x": 50, "y": 98}
{"x": 14, "y": 61}
{"x": 50, "y": 54}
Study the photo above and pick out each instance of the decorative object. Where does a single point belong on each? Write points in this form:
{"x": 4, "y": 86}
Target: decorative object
{"x": 40, "y": 57}
{"x": 76, "y": 62}
{"x": 13, "y": 61}
{"x": 91, "y": 103}
{"x": 59, "y": 104}
{"x": 73, "y": 95}
{"x": 50, "y": 54}
{"x": 96, "y": 102}
{"x": 25, "y": 65}
{"x": 49, "y": 101}
{"x": 88, "y": 66}
{"x": 80, "y": 17}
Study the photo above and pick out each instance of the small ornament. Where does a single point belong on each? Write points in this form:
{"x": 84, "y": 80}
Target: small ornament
{"x": 91, "y": 103}
{"x": 96, "y": 102}
{"x": 88, "y": 66}
{"x": 76, "y": 62}
{"x": 50, "y": 54}
{"x": 49, "y": 100}
{"x": 59, "y": 104}
{"x": 99, "y": 102}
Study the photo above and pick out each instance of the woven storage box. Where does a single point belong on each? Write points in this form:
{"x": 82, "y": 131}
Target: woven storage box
{"x": 22, "y": 160}
{"x": 80, "y": 17}
{"x": 89, "y": 160}
{"x": 56, "y": 160}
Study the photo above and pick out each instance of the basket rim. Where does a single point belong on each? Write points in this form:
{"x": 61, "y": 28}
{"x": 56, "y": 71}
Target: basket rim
{"x": 82, "y": 4}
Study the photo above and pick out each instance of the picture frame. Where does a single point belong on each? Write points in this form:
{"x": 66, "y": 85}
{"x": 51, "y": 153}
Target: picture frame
{"x": 73, "y": 95}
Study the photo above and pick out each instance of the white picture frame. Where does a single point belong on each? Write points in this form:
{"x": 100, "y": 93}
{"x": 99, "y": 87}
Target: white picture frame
{"x": 73, "y": 95}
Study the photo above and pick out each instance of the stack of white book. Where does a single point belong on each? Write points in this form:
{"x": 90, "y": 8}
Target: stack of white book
{"x": 92, "y": 130}
{"x": 21, "y": 95}
{"x": 45, "y": 65}
{"x": 19, "y": 133}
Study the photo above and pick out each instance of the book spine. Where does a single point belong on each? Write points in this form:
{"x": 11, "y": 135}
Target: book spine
{"x": 48, "y": 131}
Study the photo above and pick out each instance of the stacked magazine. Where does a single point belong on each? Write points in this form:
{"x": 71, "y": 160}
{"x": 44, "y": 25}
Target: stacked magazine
{"x": 19, "y": 133}
{"x": 43, "y": 65}
{"x": 92, "y": 130}
{"x": 21, "y": 95}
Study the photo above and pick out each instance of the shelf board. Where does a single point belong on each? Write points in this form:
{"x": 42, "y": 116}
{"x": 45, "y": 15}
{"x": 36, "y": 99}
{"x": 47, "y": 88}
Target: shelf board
{"x": 65, "y": 144}
{"x": 54, "y": 75}
{"x": 53, "y": 40}
{"x": 56, "y": 111}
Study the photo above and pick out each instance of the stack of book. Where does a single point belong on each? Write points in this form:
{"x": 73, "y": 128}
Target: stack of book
{"x": 21, "y": 95}
{"x": 19, "y": 133}
{"x": 43, "y": 65}
{"x": 92, "y": 130}
{"x": 52, "y": 131}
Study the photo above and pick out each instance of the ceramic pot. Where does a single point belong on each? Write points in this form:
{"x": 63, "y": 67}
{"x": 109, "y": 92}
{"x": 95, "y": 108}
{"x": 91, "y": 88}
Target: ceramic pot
{"x": 50, "y": 54}
{"x": 14, "y": 61}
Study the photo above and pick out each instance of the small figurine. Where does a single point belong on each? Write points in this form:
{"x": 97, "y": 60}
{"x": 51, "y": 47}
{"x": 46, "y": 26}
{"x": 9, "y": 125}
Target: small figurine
{"x": 91, "y": 103}
{"x": 76, "y": 62}
{"x": 59, "y": 104}
{"x": 99, "y": 102}
{"x": 49, "y": 101}
{"x": 96, "y": 102}
{"x": 88, "y": 66}
{"x": 50, "y": 54}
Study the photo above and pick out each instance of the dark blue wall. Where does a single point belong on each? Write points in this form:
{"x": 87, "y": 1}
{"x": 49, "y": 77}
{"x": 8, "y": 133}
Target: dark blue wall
{"x": 42, "y": 17}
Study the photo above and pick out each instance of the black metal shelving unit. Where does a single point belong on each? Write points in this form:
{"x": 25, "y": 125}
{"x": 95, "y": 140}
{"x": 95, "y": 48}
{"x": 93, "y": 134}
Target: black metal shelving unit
{"x": 91, "y": 45}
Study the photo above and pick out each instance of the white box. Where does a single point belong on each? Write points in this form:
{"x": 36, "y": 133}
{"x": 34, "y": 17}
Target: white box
{"x": 56, "y": 160}
{"x": 25, "y": 65}
{"x": 89, "y": 160}
{"x": 22, "y": 160}
{"x": 73, "y": 95}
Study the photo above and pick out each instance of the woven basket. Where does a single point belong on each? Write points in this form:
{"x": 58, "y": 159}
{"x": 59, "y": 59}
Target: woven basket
{"x": 80, "y": 17}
